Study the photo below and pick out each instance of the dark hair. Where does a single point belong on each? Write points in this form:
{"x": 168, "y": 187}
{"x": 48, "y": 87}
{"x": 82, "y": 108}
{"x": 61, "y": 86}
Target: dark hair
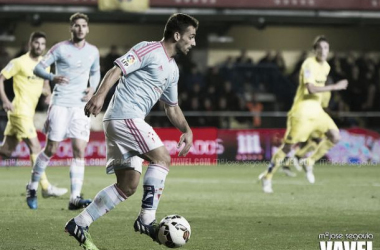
{"x": 179, "y": 22}
{"x": 36, "y": 35}
{"x": 319, "y": 39}
{"x": 77, "y": 16}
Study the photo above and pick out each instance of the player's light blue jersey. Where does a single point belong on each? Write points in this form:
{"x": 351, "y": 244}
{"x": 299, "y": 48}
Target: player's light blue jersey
{"x": 149, "y": 75}
{"x": 76, "y": 64}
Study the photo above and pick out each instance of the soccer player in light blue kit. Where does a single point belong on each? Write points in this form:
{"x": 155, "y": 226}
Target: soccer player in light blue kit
{"x": 146, "y": 74}
{"x": 77, "y": 63}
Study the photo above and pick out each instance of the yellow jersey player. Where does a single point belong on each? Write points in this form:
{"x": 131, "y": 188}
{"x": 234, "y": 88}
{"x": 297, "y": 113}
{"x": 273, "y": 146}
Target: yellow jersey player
{"x": 310, "y": 145}
{"x": 314, "y": 139}
{"x": 27, "y": 88}
{"x": 307, "y": 114}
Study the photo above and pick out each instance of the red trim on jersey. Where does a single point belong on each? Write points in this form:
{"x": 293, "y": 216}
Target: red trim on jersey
{"x": 121, "y": 66}
{"x": 133, "y": 132}
{"x": 149, "y": 45}
{"x": 137, "y": 55}
{"x": 145, "y": 52}
{"x": 170, "y": 103}
{"x": 58, "y": 45}
{"x": 166, "y": 52}
{"x": 142, "y": 138}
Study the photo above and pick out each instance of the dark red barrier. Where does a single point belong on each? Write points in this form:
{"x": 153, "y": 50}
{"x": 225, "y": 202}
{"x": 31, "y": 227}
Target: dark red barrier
{"x": 212, "y": 146}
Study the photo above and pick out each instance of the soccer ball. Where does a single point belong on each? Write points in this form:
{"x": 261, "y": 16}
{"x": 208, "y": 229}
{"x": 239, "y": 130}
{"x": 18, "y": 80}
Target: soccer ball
{"x": 174, "y": 231}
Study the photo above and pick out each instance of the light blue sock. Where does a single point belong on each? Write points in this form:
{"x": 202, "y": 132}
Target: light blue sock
{"x": 104, "y": 202}
{"x": 154, "y": 182}
{"x": 38, "y": 169}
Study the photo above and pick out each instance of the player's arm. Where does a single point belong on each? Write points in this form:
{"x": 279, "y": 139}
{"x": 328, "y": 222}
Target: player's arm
{"x": 341, "y": 85}
{"x": 46, "y": 91}
{"x": 48, "y": 60}
{"x": 176, "y": 117}
{"x": 95, "y": 104}
{"x": 7, "y": 105}
{"x": 94, "y": 79}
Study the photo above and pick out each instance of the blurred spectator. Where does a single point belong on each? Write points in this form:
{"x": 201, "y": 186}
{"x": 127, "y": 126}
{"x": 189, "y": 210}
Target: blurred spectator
{"x": 244, "y": 59}
{"x": 254, "y": 106}
{"x": 108, "y": 60}
{"x": 194, "y": 77}
{"x": 231, "y": 97}
{"x": 280, "y": 62}
{"x": 4, "y": 56}
{"x": 268, "y": 59}
{"x": 213, "y": 77}
{"x": 23, "y": 50}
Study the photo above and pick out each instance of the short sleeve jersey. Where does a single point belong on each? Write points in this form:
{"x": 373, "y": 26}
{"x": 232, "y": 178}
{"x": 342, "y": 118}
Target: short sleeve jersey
{"x": 76, "y": 64}
{"x": 313, "y": 72}
{"x": 149, "y": 75}
{"x": 26, "y": 86}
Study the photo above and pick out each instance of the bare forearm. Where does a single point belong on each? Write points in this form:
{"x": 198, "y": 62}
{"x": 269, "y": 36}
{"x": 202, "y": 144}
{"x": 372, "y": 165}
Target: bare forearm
{"x": 340, "y": 85}
{"x": 46, "y": 89}
{"x": 176, "y": 117}
{"x": 316, "y": 89}
{"x": 3, "y": 96}
{"x": 111, "y": 77}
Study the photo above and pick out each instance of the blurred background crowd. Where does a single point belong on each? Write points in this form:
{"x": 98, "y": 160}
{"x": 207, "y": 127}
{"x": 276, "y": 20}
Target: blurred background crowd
{"x": 240, "y": 84}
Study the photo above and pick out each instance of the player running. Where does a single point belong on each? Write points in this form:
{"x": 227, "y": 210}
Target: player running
{"x": 303, "y": 148}
{"x": 77, "y": 63}
{"x": 147, "y": 73}
{"x": 307, "y": 114}
{"x": 27, "y": 88}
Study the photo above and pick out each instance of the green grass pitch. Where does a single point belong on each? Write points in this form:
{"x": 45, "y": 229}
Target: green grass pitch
{"x": 224, "y": 205}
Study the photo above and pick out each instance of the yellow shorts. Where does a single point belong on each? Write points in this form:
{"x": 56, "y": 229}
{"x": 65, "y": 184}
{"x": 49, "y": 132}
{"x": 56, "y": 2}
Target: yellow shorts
{"x": 20, "y": 127}
{"x": 300, "y": 129}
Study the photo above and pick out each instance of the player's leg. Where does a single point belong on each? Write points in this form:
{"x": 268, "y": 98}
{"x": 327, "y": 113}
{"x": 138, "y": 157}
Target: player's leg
{"x": 55, "y": 126}
{"x": 77, "y": 174}
{"x": 285, "y": 168}
{"x": 39, "y": 168}
{"x": 303, "y": 150}
{"x": 154, "y": 183}
{"x": 11, "y": 138}
{"x": 48, "y": 190}
{"x": 8, "y": 145}
{"x": 79, "y": 132}
{"x": 104, "y": 201}
{"x": 120, "y": 142}
{"x": 278, "y": 159}
{"x": 298, "y": 130}
{"x": 326, "y": 125}
{"x": 332, "y": 138}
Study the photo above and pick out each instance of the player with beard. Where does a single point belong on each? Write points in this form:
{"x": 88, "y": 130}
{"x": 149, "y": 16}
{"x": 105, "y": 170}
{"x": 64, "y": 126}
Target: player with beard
{"x": 77, "y": 63}
{"x": 147, "y": 73}
{"x": 27, "y": 88}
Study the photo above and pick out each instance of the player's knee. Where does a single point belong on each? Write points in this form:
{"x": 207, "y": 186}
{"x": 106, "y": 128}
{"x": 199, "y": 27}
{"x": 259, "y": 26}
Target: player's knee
{"x": 5, "y": 152}
{"x": 287, "y": 148}
{"x": 165, "y": 160}
{"x": 50, "y": 149}
{"x": 127, "y": 190}
{"x": 335, "y": 139}
{"x": 35, "y": 149}
{"x": 78, "y": 153}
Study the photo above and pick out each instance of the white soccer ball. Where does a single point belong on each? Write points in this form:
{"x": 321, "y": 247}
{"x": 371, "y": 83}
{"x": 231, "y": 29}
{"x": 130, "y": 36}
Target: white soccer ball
{"x": 174, "y": 231}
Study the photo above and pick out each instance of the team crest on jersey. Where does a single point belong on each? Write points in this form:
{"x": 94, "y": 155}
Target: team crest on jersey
{"x": 129, "y": 60}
